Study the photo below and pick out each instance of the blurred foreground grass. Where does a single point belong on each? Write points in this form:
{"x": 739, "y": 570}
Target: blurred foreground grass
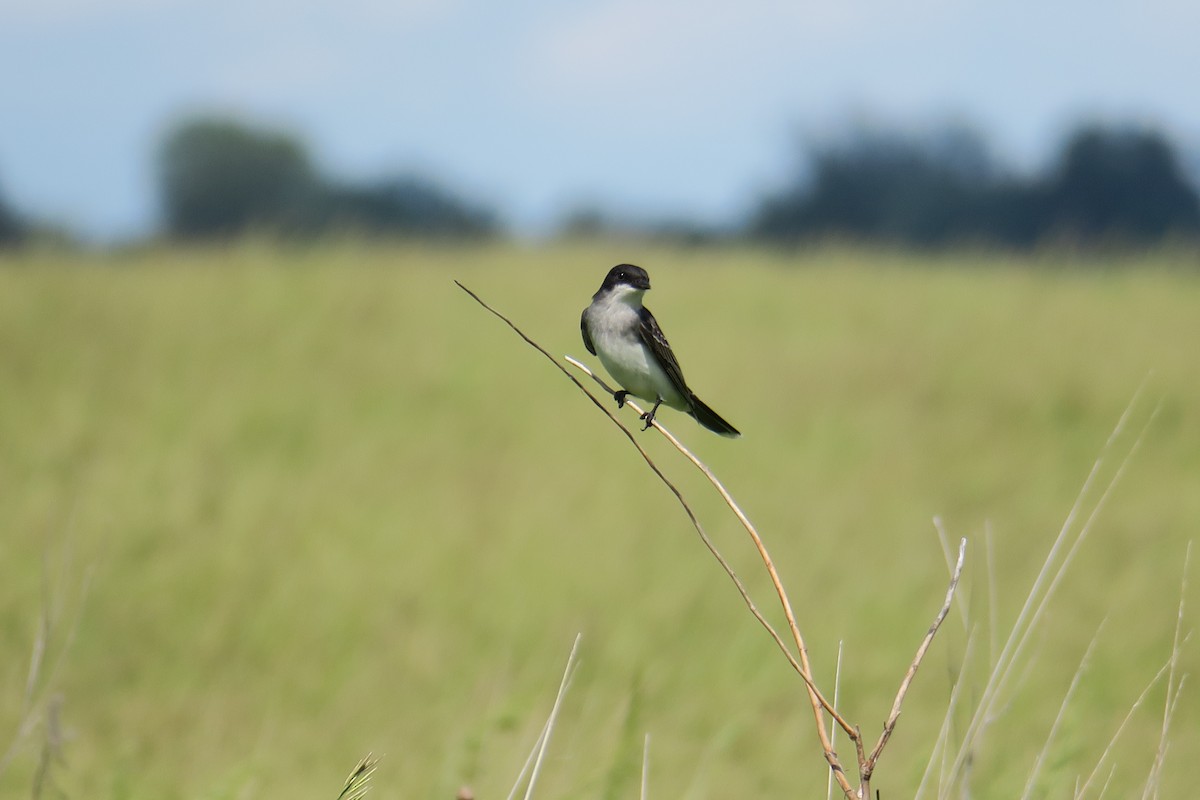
{"x": 330, "y": 506}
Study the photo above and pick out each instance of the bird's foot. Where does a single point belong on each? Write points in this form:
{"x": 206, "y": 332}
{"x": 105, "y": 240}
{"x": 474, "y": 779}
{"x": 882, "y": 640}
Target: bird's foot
{"x": 649, "y": 415}
{"x": 620, "y": 398}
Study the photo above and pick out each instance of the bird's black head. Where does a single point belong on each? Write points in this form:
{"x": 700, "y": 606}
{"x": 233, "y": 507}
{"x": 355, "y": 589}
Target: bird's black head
{"x": 626, "y": 275}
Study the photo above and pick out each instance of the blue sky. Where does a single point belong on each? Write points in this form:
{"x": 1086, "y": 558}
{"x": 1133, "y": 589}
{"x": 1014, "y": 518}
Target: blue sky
{"x": 537, "y": 107}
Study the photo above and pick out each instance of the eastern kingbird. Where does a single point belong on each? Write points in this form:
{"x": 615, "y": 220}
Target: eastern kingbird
{"x": 625, "y": 336}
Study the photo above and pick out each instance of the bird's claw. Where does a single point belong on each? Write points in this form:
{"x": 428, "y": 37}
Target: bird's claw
{"x": 648, "y": 416}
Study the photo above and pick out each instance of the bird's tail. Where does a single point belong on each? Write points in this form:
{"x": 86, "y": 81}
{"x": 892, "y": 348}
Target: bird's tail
{"x": 711, "y": 419}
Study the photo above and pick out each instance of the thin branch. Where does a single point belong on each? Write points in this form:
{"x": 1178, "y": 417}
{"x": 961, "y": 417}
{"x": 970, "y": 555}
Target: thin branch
{"x": 708, "y": 543}
{"x": 939, "y": 746}
{"x": 944, "y": 540}
{"x": 816, "y": 698}
{"x": 820, "y": 705}
{"x": 922, "y": 649}
{"x": 802, "y": 667}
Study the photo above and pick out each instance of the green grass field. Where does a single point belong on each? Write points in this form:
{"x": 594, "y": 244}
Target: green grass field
{"x": 328, "y": 505}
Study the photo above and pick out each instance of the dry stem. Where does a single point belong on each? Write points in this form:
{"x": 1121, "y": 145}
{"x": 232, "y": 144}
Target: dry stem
{"x": 708, "y": 543}
{"x": 820, "y": 705}
{"x": 816, "y": 698}
{"x": 868, "y": 767}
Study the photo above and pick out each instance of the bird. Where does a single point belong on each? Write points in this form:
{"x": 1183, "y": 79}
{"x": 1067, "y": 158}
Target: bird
{"x": 625, "y": 336}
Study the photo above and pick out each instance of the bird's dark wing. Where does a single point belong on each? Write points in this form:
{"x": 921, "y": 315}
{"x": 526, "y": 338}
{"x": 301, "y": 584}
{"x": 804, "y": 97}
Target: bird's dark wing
{"x": 587, "y": 340}
{"x": 653, "y": 338}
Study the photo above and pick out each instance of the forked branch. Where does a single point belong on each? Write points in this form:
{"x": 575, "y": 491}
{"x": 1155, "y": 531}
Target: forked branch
{"x": 820, "y": 705}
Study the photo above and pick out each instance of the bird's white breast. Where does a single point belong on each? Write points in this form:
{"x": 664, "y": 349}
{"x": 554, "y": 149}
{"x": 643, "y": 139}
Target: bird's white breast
{"x": 613, "y": 324}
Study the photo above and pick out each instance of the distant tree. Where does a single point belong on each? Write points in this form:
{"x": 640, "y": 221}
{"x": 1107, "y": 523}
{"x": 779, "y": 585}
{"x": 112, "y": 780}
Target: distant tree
{"x": 885, "y": 185}
{"x": 1109, "y": 185}
{"x": 404, "y": 206}
{"x": 221, "y": 178}
{"x": 13, "y": 228}
{"x": 1012, "y": 212}
{"x": 1121, "y": 183}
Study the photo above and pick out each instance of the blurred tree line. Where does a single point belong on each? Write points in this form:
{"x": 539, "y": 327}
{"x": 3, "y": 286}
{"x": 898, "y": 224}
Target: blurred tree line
{"x": 221, "y": 178}
{"x": 1107, "y": 185}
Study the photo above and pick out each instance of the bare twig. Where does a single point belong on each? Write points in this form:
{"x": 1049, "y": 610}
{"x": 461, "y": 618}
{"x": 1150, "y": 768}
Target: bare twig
{"x": 939, "y": 746}
{"x": 816, "y": 699}
{"x": 784, "y": 601}
{"x": 820, "y": 705}
{"x": 944, "y": 541}
{"x": 708, "y": 543}
{"x": 804, "y": 668}
{"x": 868, "y": 767}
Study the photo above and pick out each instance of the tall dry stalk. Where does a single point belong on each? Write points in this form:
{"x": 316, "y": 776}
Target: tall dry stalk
{"x": 867, "y": 760}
